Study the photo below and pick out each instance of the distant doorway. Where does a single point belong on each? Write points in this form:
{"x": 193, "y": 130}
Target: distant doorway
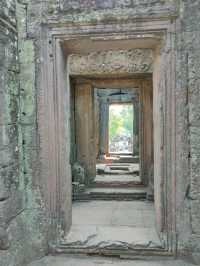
{"x": 121, "y": 121}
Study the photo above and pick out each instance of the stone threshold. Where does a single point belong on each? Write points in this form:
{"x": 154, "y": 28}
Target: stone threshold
{"x": 125, "y": 194}
{"x": 132, "y": 254}
{"x": 117, "y": 184}
{"x": 84, "y": 260}
{"x": 121, "y": 241}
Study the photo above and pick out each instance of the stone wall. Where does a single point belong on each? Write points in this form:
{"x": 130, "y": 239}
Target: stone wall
{"x": 9, "y": 104}
{"x": 186, "y": 51}
{"x": 23, "y": 221}
{"x": 188, "y": 124}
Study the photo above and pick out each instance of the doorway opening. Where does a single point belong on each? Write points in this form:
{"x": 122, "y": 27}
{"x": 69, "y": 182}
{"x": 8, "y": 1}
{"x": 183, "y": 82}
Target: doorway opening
{"x": 111, "y": 190}
{"x": 121, "y": 121}
{"x": 117, "y": 149}
{"x": 97, "y": 59}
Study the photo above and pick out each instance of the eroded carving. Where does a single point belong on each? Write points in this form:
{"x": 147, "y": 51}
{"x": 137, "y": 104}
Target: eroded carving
{"x": 112, "y": 62}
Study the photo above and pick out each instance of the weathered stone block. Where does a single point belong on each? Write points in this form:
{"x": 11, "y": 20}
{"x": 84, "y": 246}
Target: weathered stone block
{"x": 7, "y": 9}
{"x": 8, "y": 109}
{"x": 27, "y": 81}
{"x": 7, "y": 157}
{"x": 190, "y": 15}
{"x": 28, "y": 233}
{"x": 4, "y": 241}
{"x": 81, "y": 5}
{"x": 88, "y": 4}
{"x": 31, "y": 166}
{"x": 196, "y": 257}
{"x": 30, "y": 137}
{"x": 123, "y": 3}
{"x": 4, "y": 190}
{"x": 12, "y": 86}
{"x": 148, "y": 2}
{"x": 78, "y": 5}
{"x": 104, "y": 4}
{"x": 10, "y": 177}
{"x": 10, "y": 208}
{"x": 8, "y": 135}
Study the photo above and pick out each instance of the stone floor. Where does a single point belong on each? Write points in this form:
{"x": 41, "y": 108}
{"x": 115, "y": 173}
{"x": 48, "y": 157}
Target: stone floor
{"x": 107, "y": 225}
{"x": 112, "y": 193}
{"x": 117, "y": 175}
{"x": 113, "y": 224}
{"x": 114, "y": 213}
{"x": 118, "y": 168}
{"x": 116, "y": 178}
{"x": 96, "y": 261}
{"x": 117, "y": 190}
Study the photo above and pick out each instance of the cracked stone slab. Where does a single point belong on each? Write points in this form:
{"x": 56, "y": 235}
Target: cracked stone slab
{"x": 108, "y": 237}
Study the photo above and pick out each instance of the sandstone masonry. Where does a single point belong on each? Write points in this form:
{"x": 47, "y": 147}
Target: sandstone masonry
{"x": 27, "y": 223}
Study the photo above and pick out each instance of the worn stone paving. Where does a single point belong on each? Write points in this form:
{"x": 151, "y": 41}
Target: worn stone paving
{"x": 119, "y": 190}
{"x": 114, "y": 213}
{"x": 117, "y": 178}
{"x": 124, "y": 237}
{"x": 118, "y": 168}
{"x": 95, "y": 261}
{"x": 101, "y": 224}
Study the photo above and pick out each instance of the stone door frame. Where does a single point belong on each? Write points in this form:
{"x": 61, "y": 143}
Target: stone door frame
{"x": 53, "y": 107}
{"x": 107, "y": 100}
{"x": 143, "y": 86}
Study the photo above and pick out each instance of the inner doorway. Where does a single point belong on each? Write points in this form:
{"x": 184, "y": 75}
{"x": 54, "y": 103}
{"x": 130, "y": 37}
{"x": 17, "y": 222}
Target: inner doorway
{"x": 121, "y": 121}
{"x": 110, "y": 184}
{"x": 117, "y": 149}
{"x": 136, "y": 68}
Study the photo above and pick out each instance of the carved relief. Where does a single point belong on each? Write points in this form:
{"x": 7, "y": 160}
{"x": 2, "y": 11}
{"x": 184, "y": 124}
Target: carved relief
{"x": 112, "y": 62}
{"x": 104, "y": 4}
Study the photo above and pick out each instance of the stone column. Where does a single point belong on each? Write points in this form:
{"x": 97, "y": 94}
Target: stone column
{"x": 85, "y": 133}
{"x": 136, "y": 128}
{"x": 146, "y": 129}
{"x": 104, "y": 121}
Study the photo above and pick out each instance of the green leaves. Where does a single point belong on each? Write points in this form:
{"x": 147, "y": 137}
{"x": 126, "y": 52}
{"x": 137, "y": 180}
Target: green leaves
{"x": 120, "y": 120}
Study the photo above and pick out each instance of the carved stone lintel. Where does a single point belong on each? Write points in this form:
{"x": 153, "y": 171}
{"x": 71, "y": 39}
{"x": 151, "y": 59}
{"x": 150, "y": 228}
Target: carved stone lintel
{"x": 112, "y": 62}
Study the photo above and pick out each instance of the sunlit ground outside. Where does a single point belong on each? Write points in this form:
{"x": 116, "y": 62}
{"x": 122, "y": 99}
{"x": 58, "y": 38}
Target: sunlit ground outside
{"x": 121, "y": 128}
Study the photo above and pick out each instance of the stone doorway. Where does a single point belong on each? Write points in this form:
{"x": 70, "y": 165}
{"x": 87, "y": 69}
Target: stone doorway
{"x": 90, "y": 100}
{"x": 111, "y": 192}
{"x": 143, "y": 69}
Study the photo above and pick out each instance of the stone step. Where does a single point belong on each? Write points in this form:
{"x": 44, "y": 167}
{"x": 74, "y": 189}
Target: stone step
{"x": 116, "y": 184}
{"x": 81, "y": 260}
{"x": 119, "y": 181}
{"x": 112, "y": 194}
{"x": 139, "y": 254}
{"x": 121, "y": 241}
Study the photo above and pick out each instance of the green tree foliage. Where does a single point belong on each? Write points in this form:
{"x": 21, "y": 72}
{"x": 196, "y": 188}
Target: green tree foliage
{"x": 120, "y": 120}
